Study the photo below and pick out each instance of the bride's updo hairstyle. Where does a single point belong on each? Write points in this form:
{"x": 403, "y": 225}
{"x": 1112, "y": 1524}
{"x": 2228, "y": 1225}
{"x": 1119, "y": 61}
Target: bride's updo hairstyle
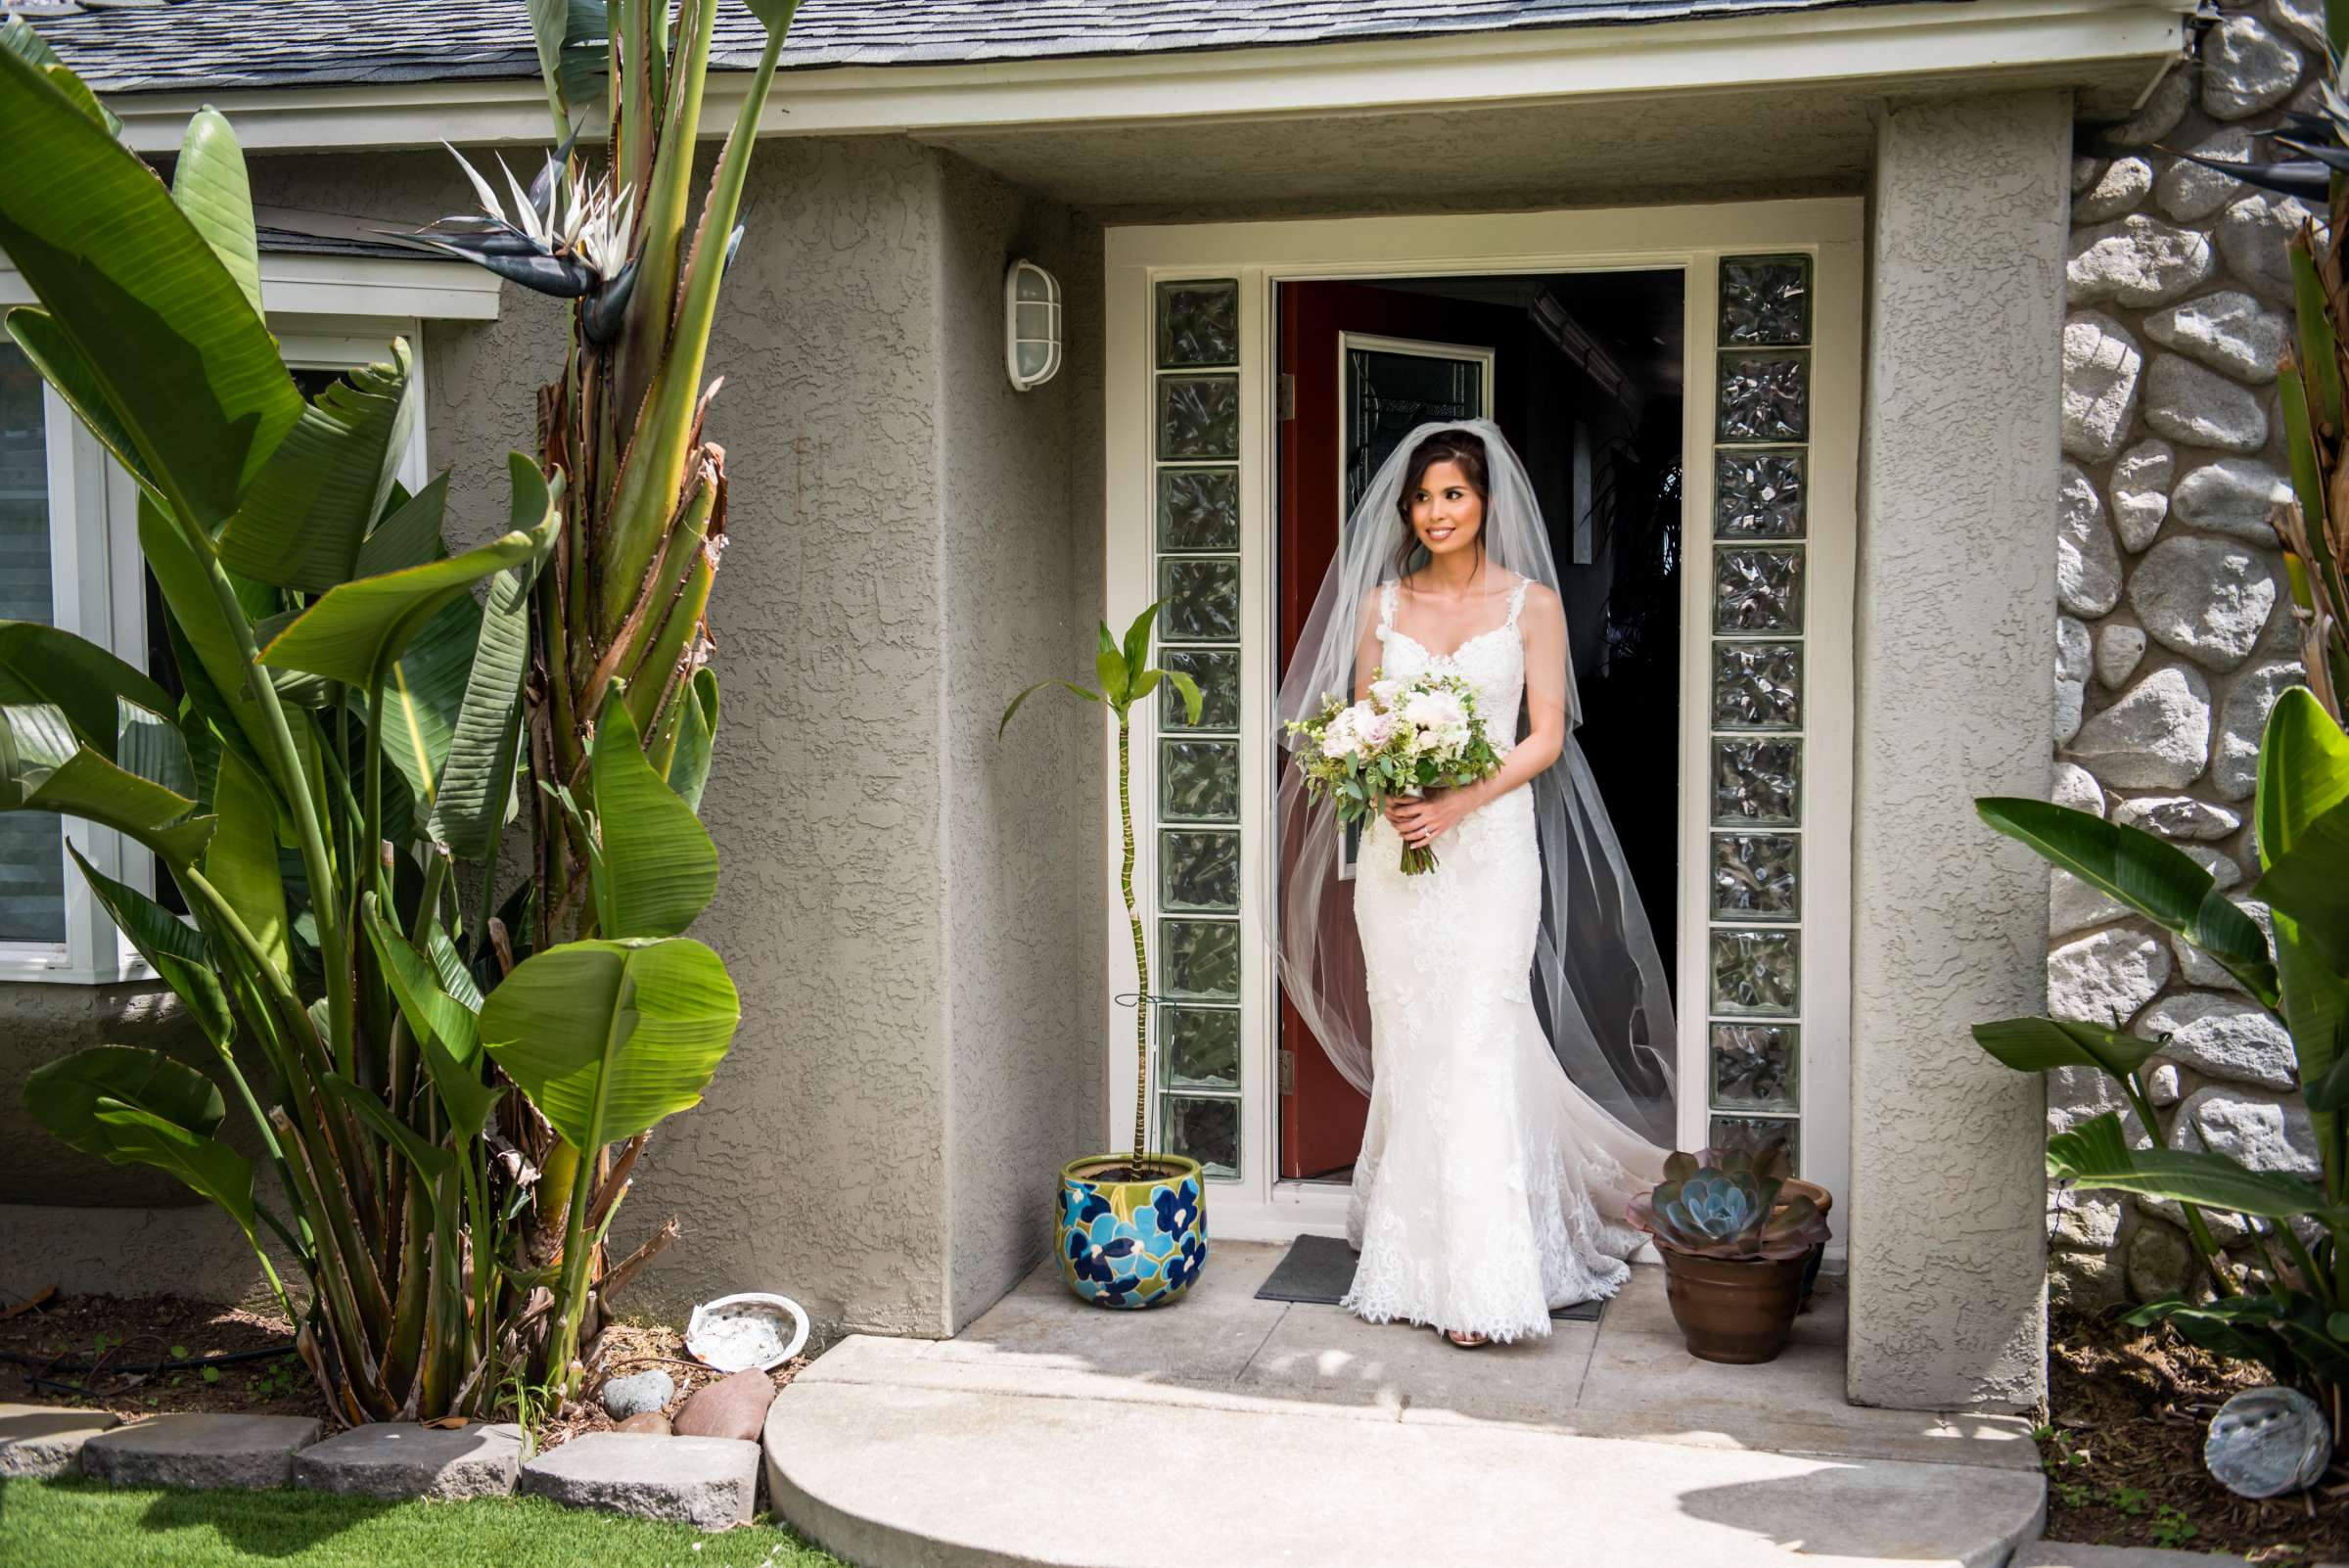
{"x": 1463, "y": 447}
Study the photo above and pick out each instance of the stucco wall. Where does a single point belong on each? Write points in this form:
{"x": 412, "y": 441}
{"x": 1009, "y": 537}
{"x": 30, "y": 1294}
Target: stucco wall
{"x": 1957, "y": 600}
{"x": 906, "y": 545}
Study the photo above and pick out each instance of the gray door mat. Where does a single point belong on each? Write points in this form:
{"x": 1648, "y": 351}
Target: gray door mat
{"x": 1319, "y": 1269}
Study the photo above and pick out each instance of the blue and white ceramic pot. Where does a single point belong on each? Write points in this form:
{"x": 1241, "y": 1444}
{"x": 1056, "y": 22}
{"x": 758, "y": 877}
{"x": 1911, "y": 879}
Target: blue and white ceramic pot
{"x": 1132, "y": 1243}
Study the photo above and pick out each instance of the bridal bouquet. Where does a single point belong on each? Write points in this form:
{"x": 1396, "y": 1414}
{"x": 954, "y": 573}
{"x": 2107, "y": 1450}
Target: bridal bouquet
{"x": 1406, "y": 737}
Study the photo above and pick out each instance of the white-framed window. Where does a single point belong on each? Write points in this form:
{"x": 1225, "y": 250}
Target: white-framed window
{"x": 70, "y": 557}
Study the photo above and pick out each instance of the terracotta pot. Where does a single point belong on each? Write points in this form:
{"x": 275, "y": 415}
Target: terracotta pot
{"x": 1819, "y": 1252}
{"x": 1731, "y": 1310}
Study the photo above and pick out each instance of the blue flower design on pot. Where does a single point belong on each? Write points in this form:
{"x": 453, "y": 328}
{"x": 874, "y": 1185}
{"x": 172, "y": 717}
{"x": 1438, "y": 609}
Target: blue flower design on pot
{"x": 1132, "y": 1243}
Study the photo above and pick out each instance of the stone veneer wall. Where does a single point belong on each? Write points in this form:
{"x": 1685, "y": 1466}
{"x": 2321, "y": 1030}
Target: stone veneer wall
{"x": 2176, "y": 631}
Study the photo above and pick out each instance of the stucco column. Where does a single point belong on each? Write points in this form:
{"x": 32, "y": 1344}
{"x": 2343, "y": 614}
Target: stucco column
{"x": 1955, "y": 619}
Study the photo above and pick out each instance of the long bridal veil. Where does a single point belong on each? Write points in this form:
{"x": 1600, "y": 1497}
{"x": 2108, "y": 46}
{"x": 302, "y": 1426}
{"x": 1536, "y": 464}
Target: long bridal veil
{"x": 1597, "y": 980}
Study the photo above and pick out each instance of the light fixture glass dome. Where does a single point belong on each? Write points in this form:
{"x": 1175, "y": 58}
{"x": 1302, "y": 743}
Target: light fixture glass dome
{"x": 1030, "y": 325}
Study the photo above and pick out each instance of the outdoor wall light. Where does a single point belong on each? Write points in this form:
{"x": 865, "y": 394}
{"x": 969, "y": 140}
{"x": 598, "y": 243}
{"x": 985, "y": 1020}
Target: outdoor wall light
{"x": 1030, "y": 325}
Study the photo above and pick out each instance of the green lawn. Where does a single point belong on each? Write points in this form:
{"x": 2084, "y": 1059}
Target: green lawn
{"x": 70, "y": 1524}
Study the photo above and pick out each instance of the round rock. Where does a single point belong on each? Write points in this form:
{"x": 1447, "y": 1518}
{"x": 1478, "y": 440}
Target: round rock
{"x": 2195, "y": 405}
{"x": 2208, "y": 599}
{"x": 2246, "y": 68}
{"x": 637, "y": 1393}
{"x": 2157, "y": 736}
{"x": 2221, "y": 1037}
{"x": 651, "y": 1422}
{"x": 2106, "y": 978}
{"x": 2178, "y": 816}
{"x": 2243, "y": 719}
{"x": 2088, "y": 564}
{"x": 2300, "y": 20}
{"x": 2228, "y": 331}
{"x": 733, "y": 1406}
{"x": 2159, "y": 114}
{"x": 2188, "y": 192}
{"x": 2076, "y": 787}
{"x": 2233, "y": 496}
{"x": 2124, "y": 183}
{"x": 2102, "y": 367}
{"x": 2264, "y": 1134}
{"x": 2138, "y": 260}
{"x": 2140, "y": 491}
{"x": 2120, "y": 649}
{"x": 2252, "y": 234}
{"x": 2161, "y": 1261}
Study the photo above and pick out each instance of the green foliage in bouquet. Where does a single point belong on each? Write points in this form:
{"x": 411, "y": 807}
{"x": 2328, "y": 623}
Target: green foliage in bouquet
{"x": 1363, "y": 755}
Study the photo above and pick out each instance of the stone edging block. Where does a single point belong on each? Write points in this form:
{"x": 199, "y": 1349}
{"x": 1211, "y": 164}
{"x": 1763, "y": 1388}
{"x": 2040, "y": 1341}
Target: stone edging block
{"x": 710, "y": 1482}
{"x": 400, "y": 1460}
{"x": 40, "y": 1440}
{"x": 201, "y": 1450}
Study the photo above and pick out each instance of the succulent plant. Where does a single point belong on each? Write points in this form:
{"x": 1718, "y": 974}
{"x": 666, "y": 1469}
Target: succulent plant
{"x": 1728, "y": 1209}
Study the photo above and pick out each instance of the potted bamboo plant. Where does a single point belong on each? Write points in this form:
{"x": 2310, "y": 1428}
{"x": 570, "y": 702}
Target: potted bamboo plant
{"x": 1132, "y": 1228}
{"x": 1739, "y": 1249}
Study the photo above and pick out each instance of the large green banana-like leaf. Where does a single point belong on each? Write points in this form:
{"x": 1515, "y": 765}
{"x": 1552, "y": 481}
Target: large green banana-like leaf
{"x": 408, "y": 533}
{"x": 242, "y": 859}
{"x": 2303, "y": 775}
{"x": 200, "y": 624}
{"x": 173, "y": 949}
{"x": 422, "y": 692}
{"x": 2040, "y": 1044}
{"x": 572, "y": 57}
{"x": 210, "y": 185}
{"x": 697, "y": 737}
{"x": 2310, "y": 884}
{"x": 607, "y": 1038}
{"x": 60, "y": 363}
{"x": 2096, "y": 1154}
{"x": 2319, "y": 350}
{"x": 354, "y": 631}
{"x": 41, "y": 664}
{"x": 166, "y": 337}
{"x": 477, "y": 784}
{"x": 44, "y": 767}
{"x": 16, "y": 35}
{"x": 2156, "y": 879}
{"x": 446, "y": 1031}
{"x": 209, "y": 1167}
{"x": 65, "y": 1095}
{"x": 312, "y": 506}
{"x": 658, "y": 869}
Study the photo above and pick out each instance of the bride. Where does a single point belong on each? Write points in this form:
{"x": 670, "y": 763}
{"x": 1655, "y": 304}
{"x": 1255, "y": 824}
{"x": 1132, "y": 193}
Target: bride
{"x": 1512, "y": 1001}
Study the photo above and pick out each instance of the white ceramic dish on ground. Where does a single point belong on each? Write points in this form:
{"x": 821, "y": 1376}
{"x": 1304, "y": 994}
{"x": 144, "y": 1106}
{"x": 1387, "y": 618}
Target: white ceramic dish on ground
{"x": 744, "y": 1332}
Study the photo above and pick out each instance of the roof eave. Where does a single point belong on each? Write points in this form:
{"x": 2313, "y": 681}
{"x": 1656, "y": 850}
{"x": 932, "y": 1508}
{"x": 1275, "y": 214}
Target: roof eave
{"x": 2114, "y": 49}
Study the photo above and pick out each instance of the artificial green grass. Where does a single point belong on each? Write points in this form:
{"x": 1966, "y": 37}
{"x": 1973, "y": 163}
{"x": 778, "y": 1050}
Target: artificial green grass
{"x": 70, "y": 1524}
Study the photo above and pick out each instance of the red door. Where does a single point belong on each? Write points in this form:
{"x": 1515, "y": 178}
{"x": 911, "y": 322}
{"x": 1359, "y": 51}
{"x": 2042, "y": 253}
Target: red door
{"x": 1321, "y": 1115}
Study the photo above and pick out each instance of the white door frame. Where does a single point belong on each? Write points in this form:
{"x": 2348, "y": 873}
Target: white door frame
{"x": 1690, "y": 237}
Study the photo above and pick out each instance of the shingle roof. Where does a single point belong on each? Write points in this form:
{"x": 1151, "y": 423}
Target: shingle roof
{"x": 204, "y": 45}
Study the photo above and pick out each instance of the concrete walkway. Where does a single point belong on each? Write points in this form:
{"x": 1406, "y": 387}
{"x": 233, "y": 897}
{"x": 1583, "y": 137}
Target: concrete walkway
{"x": 1227, "y": 1432}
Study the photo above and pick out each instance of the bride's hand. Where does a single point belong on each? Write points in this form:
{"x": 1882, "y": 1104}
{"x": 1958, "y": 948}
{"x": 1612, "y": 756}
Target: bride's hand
{"x": 1424, "y": 820}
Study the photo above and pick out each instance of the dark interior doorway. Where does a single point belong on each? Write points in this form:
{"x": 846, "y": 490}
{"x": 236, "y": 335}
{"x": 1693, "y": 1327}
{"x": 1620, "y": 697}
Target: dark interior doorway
{"x": 1582, "y": 371}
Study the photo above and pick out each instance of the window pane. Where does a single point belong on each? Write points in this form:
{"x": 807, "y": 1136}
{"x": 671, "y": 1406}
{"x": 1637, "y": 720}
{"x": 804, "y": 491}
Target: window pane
{"x": 1205, "y": 1131}
{"x": 33, "y": 861}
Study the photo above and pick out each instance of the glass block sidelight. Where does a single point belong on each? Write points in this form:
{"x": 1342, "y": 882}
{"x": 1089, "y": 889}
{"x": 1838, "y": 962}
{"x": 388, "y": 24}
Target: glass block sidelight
{"x": 1199, "y": 509}
{"x": 1199, "y": 870}
{"x": 1765, "y": 398}
{"x": 1198, "y": 417}
{"x": 1758, "y": 588}
{"x": 1758, "y": 1132}
{"x": 1755, "y": 876}
{"x": 1199, "y": 323}
{"x": 1199, "y": 781}
{"x": 1765, "y": 299}
{"x": 1202, "y": 598}
{"x": 1200, "y": 1046}
{"x": 1755, "y": 1067}
{"x": 1757, "y": 493}
{"x": 1757, "y": 783}
{"x": 1754, "y": 972}
{"x": 1204, "y": 1130}
{"x": 1199, "y": 960}
{"x": 1218, "y": 673}
{"x": 1757, "y": 685}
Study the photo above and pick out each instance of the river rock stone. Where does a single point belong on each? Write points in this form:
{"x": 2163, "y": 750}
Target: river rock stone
{"x": 2083, "y": 1221}
{"x": 2188, "y": 192}
{"x": 2266, "y": 1134}
{"x": 2160, "y": 1262}
{"x": 2084, "y": 172}
{"x": 2106, "y": 978}
{"x": 733, "y": 1406}
{"x": 2088, "y": 1281}
{"x": 2120, "y": 649}
{"x": 2235, "y": 765}
{"x": 2074, "y": 649}
{"x": 2162, "y": 1083}
{"x": 2300, "y": 20}
{"x": 2077, "y": 1094}
{"x": 2221, "y": 1037}
{"x": 2140, "y": 491}
{"x": 2138, "y": 261}
{"x": 637, "y": 1393}
{"x": 2076, "y": 787}
{"x": 2076, "y": 906}
{"x": 2208, "y": 599}
{"x": 2178, "y": 816}
{"x": 2088, "y": 565}
{"x": 2224, "y": 1228}
{"x": 2124, "y": 183}
{"x": 652, "y": 1422}
{"x": 2157, "y": 736}
{"x": 2158, "y": 116}
{"x": 2252, "y": 234}
{"x": 2102, "y": 367}
{"x": 2233, "y": 496}
{"x": 2071, "y": 701}
{"x": 2228, "y": 331}
{"x": 2246, "y": 68}
{"x": 2191, "y": 404}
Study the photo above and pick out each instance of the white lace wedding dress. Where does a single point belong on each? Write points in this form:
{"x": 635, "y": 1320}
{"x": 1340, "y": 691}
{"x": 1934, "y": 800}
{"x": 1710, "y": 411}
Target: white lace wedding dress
{"x": 1489, "y": 1188}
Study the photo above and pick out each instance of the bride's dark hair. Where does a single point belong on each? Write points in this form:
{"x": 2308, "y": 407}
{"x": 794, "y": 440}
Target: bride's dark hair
{"x": 1461, "y": 447}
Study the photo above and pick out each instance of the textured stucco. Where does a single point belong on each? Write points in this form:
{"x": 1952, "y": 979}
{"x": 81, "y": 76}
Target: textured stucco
{"x": 1956, "y": 606}
{"x": 908, "y": 542}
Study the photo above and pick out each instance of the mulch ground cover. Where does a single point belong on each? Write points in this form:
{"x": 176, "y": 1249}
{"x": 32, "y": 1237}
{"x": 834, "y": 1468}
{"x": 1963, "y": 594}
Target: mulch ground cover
{"x": 2122, "y": 1445}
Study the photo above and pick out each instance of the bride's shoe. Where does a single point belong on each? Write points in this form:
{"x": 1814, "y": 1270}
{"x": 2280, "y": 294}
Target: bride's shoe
{"x": 1463, "y": 1341}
